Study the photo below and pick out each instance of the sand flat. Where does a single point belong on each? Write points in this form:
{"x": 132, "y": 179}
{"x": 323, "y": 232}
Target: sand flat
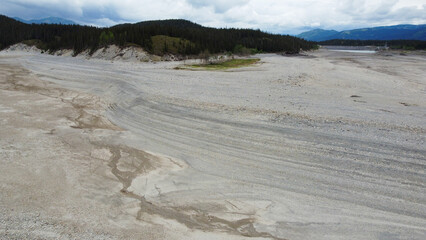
{"x": 330, "y": 146}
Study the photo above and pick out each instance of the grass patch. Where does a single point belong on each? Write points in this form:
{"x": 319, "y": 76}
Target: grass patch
{"x": 233, "y": 63}
{"x": 128, "y": 44}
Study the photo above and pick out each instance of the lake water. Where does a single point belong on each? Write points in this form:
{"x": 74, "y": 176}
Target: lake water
{"x": 355, "y": 51}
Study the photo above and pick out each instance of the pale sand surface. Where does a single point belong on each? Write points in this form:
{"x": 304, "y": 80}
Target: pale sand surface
{"x": 330, "y": 146}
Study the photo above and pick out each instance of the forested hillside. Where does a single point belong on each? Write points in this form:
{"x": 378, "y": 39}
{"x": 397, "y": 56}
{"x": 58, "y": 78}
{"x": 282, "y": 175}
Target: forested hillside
{"x": 176, "y": 36}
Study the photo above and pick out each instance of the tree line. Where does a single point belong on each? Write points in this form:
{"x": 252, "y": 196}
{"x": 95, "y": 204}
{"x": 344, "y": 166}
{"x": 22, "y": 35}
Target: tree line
{"x": 194, "y": 38}
{"x": 392, "y": 44}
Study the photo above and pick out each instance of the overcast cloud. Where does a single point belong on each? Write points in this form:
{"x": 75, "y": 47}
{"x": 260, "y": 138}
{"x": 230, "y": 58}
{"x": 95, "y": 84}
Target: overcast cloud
{"x": 277, "y": 16}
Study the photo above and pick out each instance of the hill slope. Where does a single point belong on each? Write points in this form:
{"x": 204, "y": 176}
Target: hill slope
{"x": 398, "y": 32}
{"x": 181, "y": 37}
{"x": 49, "y": 20}
{"x": 318, "y": 35}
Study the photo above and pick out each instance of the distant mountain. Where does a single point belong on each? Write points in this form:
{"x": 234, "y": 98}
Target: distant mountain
{"x": 318, "y": 35}
{"x": 398, "y": 32}
{"x": 49, "y": 20}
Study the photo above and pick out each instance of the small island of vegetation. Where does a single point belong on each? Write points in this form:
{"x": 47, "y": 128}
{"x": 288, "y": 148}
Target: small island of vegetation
{"x": 221, "y": 65}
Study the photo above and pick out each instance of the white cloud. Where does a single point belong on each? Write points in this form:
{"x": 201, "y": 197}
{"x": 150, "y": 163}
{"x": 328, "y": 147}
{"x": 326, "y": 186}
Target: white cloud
{"x": 281, "y": 16}
{"x": 219, "y": 6}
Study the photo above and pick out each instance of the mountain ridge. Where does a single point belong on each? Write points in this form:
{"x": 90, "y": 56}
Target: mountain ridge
{"x": 396, "y": 32}
{"x": 48, "y": 20}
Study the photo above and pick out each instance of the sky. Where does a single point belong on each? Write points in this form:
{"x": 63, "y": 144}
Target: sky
{"x": 275, "y": 16}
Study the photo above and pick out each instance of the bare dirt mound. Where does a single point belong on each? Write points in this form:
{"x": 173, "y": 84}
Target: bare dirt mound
{"x": 114, "y": 52}
{"x": 109, "y": 53}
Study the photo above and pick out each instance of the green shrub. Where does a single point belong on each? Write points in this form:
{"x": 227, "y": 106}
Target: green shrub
{"x": 106, "y": 38}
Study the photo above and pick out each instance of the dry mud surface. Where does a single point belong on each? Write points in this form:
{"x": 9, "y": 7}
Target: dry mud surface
{"x": 330, "y": 146}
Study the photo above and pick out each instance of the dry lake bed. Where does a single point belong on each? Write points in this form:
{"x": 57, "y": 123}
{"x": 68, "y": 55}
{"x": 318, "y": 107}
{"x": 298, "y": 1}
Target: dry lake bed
{"x": 325, "y": 146}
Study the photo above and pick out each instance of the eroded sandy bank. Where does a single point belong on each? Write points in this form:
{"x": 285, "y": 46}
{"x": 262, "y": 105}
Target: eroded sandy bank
{"x": 65, "y": 173}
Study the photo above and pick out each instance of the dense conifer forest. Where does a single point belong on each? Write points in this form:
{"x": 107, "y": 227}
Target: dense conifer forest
{"x": 392, "y": 44}
{"x": 176, "y": 36}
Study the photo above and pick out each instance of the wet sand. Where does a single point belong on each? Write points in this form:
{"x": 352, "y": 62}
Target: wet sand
{"x": 330, "y": 146}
